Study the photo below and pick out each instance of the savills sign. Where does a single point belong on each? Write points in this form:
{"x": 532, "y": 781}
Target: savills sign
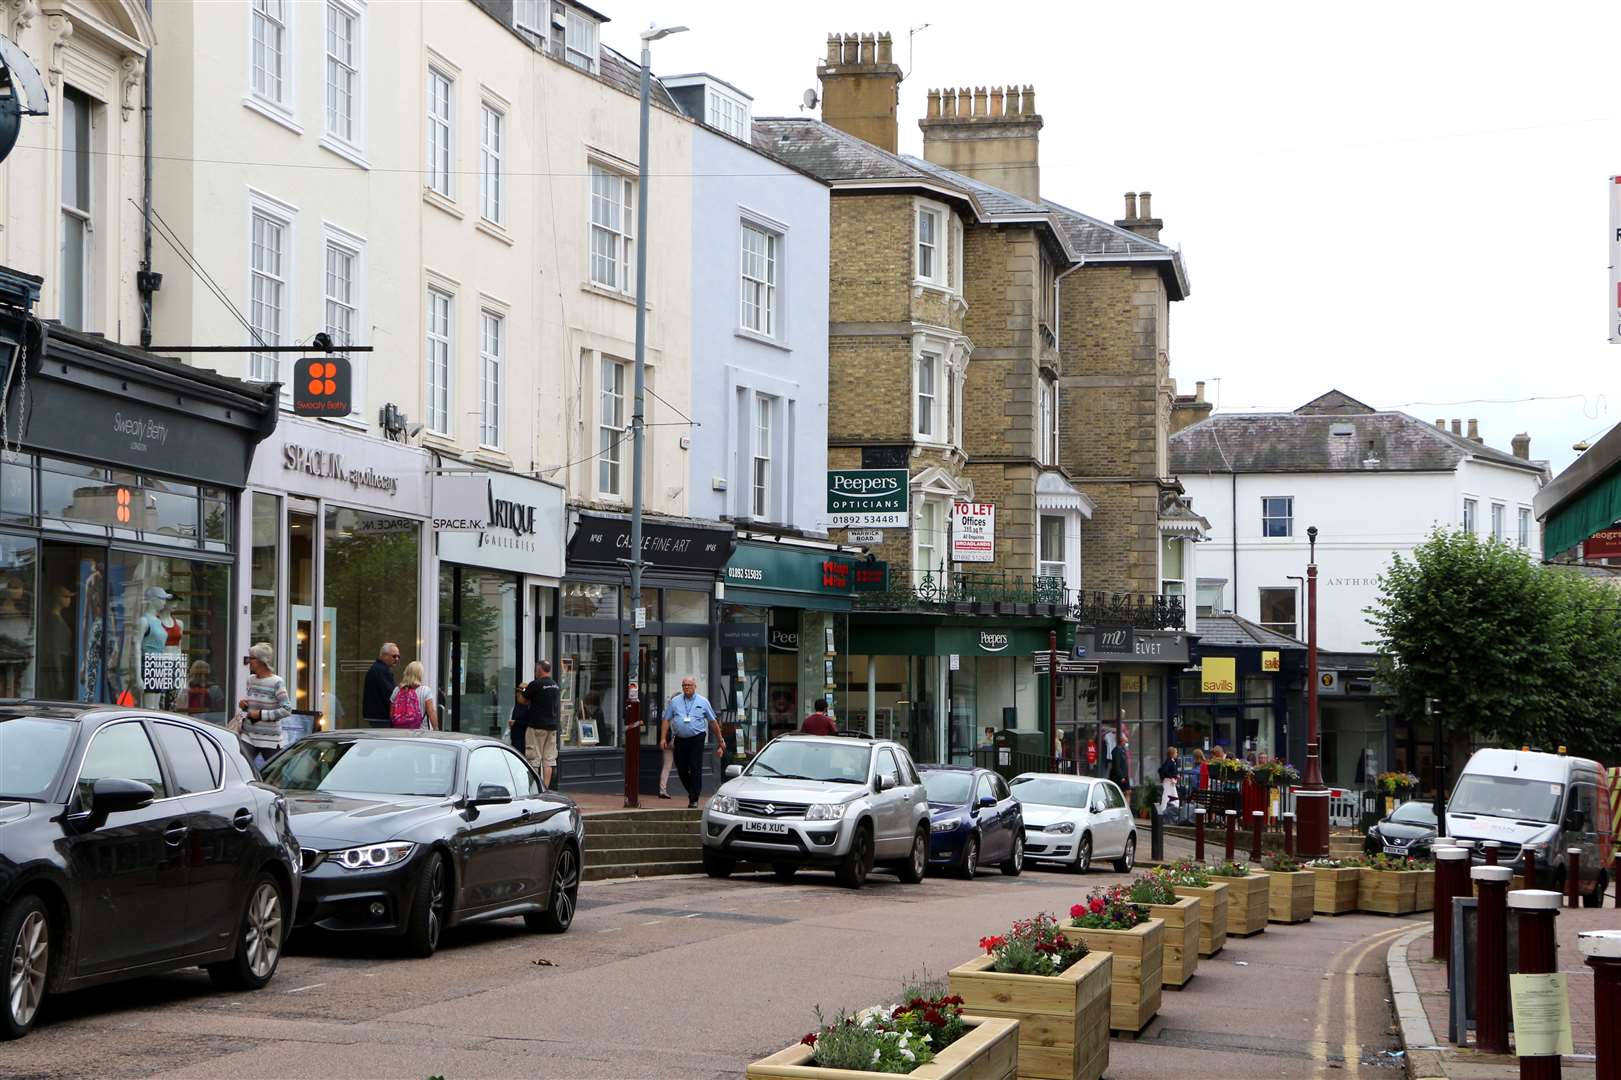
{"x": 867, "y": 498}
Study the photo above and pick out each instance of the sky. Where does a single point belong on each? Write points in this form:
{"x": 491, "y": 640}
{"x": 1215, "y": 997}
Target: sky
{"x": 1404, "y": 201}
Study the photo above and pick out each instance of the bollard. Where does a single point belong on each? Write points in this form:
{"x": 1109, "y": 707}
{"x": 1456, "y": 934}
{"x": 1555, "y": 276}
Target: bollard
{"x": 1528, "y": 859}
{"x": 1537, "y": 909}
{"x": 1232, "y": 832}
{"x": 1491, "y": 961}
{"x": 1615, "y": 880}
{"x": 1156, "y": 834}
{"x": 1451, "y": 879}
{"x": 1602, "y": 948}
{"x": 1289, "y": 833}
{"x": 1257, "y": 825}
{"x": 1573, "y": 877}
{"x": 1198, "y": 834}
{"x": 1491, "y": 847}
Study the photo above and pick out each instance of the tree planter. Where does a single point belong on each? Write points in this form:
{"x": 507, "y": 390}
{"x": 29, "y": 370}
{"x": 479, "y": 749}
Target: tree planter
{"x": 1425, "y": 900}
{"x": 1290, "y": 896}
{"x": 1247, "y": 902}
{"x": 1387, "y": 892}
{"x": 989, "y": 1050}
{"x": 1063, "y": 1019}
{"x": 1139, "y": 962}
{"x": 1212, "y": 915}
{"x": 1335, "y": 892}
{"x": 1181, "y": 939}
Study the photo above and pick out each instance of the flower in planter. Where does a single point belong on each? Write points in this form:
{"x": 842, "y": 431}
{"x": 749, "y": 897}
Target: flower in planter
{"x": 1396, "y": 783}
{"x": 1153, "y": 887}
{"x": 1187, "y": 873}
{"x": 1228, "y": 868}
{"x": 887, "y": 1038}
{"x": 1035, "y": 946}
{"x": 1331, "y": 864}
{"x": 1397, "y": 863}
{"x": 1113, "y": 908}
{"x": 1275, "y": 774}
{"x": 1279, "y": 863}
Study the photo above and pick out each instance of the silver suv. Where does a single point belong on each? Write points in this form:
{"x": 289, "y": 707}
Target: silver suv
{"x": 838, "y": 802}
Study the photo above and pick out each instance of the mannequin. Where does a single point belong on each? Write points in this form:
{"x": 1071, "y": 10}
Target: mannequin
{"x": 161, "y": 632}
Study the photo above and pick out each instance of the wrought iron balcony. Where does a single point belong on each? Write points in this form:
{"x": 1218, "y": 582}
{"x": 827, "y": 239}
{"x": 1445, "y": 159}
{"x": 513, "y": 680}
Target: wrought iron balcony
{"x": 1003, "y": 593}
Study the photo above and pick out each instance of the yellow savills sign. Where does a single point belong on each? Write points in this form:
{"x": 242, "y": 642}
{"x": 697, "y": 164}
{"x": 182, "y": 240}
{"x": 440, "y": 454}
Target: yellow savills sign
{"x": 1218, "y": 675}
{"x": 1270, "y": 661}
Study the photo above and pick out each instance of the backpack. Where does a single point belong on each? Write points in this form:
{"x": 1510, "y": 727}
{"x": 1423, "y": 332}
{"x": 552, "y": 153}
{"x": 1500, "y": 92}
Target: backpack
{"x": 405, "y": 711}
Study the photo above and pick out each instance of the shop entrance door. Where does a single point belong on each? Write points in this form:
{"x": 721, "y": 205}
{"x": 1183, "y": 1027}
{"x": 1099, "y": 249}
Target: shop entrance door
{"x": 302, "y": 645}
{"x": 653, "y": 697}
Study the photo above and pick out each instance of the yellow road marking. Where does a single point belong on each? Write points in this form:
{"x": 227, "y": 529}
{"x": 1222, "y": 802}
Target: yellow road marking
{"x": 1348, "y": 1045}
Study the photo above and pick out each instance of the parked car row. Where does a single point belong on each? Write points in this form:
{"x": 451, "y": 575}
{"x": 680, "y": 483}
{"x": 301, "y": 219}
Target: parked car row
{"x": 134, "y": 842}
{"x": 851, "y": 803}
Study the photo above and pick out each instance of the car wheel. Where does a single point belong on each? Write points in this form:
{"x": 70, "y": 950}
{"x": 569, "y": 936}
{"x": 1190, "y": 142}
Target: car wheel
{"x": 852, "y": 872}
{"x": 784, "y": 871}
{"x": 718, "y": 866}
{"x": 1596, "y": 897}
{"x": 970, "y": 859}
{"x": 1013, "y": 865}
{"x": 25, "y": 946}
{"x": 912, "y": 870}
{"x": 1128, "y": 859}
{"x": 258, "y": 942}
{"x": 560, "y": 907}
{"x": 427, "y": 919}
{"x": 1083, "y": 856}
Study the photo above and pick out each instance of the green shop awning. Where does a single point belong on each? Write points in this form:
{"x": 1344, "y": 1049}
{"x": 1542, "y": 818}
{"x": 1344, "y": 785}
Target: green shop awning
{"x": 1595, "y": 508}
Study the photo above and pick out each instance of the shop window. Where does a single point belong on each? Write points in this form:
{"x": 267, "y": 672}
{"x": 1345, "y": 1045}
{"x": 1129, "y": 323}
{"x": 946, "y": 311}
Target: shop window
{"x": 587, "y": 672}
{"x": 168, "y": 633}
{"x": 217, "y": 519}
{"x": 303, "y": 534}
{"x": 264, "y": 568}
{"x": 650, "y": 603}
{"x": 18, "y": 561}
{"x": 478, "y": 626}
{"x": 590, "y": 600}
{"x": 17, "y": 487}
{"x": 73, "y": 626}
{"x": 1278, "y": 610}
{"x": 682, "y": 606}
{"x": 372, "y": 563}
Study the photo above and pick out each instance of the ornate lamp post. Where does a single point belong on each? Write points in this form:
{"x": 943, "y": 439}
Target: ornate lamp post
{"x": 1311, "y": 799}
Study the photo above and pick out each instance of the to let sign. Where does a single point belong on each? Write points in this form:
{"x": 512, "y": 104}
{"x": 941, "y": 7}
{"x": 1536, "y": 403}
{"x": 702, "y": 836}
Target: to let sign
{"x": 973, "y": 532}
{"x": 868, "y": 498}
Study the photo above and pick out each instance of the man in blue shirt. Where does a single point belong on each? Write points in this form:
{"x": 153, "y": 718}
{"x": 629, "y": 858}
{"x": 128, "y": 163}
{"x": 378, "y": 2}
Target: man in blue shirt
{"x": 686, "y": 719}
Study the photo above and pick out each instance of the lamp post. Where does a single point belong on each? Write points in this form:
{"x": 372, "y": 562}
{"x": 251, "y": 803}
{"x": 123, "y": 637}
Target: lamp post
{"x": 633, "y": 663}
{"x": 1311, "y": 800}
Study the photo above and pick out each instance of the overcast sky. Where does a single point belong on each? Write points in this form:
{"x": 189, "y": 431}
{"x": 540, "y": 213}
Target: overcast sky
{"x": 1406, "y": 201}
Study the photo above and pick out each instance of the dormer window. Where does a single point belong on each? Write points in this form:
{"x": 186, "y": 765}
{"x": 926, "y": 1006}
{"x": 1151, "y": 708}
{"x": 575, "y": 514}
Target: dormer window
{"x": 580, "y": 40}
{"x": 727, "y": 114}
{"x": 530, "y": 15}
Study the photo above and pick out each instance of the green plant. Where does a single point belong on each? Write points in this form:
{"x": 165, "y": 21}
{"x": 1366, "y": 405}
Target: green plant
{"x": 1280, "y": 863}
{"x": 1108, "y": 909}
{"x": 1145, "y": 796}
{"x": 1275, "y": 774}
{"x": 1188, "y": 873}
{"x": 1227, "y": 868}
{"x": 1331, "y": 864}
{"x": 888, "y": 1038}
{"x": 1396, "y": 783}
{"x": 922, "y": 984}
{"x": 1228, "y": 768}
{"x": 1035, "y": 946}
{"x": 1152, "y": 888}
{"x": 1399, "y": 863}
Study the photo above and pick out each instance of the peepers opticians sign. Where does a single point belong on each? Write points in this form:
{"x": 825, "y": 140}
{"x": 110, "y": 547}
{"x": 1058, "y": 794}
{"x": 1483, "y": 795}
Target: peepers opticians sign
{"x": 867, "y": 498}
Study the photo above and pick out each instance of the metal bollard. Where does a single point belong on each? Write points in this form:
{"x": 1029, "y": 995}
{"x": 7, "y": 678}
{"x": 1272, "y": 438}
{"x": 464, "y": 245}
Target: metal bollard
{"x": 1198, "y": 833}
{"x": 1573, "y": 877}
{"x": 1615, "y": 881}
{"x": 1232, "y": 832}
{"x": 1491, "y": 961}
{"x": 1451, "y": 879}
{"x": 1602, "y": 948}
{"x": 1528, "y": 859}
{"x": 1289, "y": 833}
{"x": 1491, "y": 847}
{"x": 1537, "y": 909}
{"x": 1257, "y": 825}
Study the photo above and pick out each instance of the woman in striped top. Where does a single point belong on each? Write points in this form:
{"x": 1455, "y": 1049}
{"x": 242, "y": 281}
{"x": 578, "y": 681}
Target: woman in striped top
{"x": 261, "y": 712}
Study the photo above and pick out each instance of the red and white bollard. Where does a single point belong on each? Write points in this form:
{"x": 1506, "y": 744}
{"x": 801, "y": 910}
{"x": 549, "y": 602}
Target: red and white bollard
{"x": 1491, "y": 960}
{"x": 1573, "y": 877}
{"x": 1602, "y": 950}
{"x": 1537, "y": 909}
{"x": 1451, "y": 879}
{"x": 1491, "y": 847}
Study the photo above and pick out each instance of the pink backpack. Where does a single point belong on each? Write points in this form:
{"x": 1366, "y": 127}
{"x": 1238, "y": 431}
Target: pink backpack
{"x": 405, "y": 711}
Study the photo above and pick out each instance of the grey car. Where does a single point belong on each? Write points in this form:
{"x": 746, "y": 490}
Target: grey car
{"x": 834, "y": 802}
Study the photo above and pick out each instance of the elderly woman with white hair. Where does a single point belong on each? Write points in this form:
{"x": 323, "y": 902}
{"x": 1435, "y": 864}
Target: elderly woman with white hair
{"x": 260, "y": 713}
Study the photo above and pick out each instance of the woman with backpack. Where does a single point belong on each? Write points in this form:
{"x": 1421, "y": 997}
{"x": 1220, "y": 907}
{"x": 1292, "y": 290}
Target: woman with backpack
{"x": 411, "y": 705}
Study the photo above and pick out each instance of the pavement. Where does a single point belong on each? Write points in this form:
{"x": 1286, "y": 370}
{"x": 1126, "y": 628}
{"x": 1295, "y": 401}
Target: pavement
{"x": 693, "y": 978}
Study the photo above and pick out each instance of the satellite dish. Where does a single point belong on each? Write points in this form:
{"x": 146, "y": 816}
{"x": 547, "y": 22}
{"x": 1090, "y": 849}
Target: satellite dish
{"x": 809, "y": 99}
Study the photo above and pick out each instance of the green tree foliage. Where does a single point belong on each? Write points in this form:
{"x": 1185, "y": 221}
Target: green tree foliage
{"x": 1512, "y": 651}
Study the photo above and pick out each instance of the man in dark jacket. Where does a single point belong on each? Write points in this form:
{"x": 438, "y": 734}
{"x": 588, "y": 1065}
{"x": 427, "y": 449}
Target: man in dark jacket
{"x": 518, "y": 725}
{"x": 818, "y": 722}
{"x": 379, "y": 688}
{"x": 545, "y": 706}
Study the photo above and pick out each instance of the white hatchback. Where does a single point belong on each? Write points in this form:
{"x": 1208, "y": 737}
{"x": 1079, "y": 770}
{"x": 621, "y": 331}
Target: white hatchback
{"x": 1072, "y": 819}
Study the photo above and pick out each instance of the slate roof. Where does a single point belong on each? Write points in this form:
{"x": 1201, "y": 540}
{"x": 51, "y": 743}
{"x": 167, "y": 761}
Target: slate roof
{"x": 825, "y": 151}
{"x": 1310, "y": 441}
{"x": 1101, "y": 242}
{"x": 1235, "y": 631}
{"x": 625, "y": 74}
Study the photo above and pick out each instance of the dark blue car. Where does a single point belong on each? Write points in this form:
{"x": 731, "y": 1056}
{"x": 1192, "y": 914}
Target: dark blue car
{"x": 975, "y": 820}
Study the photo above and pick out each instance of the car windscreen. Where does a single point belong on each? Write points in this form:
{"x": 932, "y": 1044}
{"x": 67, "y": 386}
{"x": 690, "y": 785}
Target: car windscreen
{"x": 836, "y": 763}
{"x": 1045, "y": 791}
{"x": 33, "y": 751}
{"x": 1506, "y": 797}
{"x": 948, "y": 787}
{"x": 1414, "y": 813}
{"x": 365, "y": 767}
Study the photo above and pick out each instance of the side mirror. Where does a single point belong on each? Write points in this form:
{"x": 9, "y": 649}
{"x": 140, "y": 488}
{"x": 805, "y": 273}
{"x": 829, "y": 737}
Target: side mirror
{"x": 113, "y": 795}
{"x": 1576, "y": 821}
{"x": 886, "y": 783}
{"x": 987, "y": 801}
{"x": 733, "y": 771}
{"x": 492, "y": 795}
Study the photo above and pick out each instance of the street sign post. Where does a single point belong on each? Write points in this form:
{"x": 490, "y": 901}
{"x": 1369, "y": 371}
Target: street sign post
{"x": 1615, "y": 260}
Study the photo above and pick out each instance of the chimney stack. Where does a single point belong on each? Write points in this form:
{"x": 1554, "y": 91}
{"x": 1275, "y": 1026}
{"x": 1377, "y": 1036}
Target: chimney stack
{"x": 1198, "y": 390}
{"x": 1474, "y": 431}
{"x": 1441, "y": 423}
{"x": 990, "y": 133}
{"x": 1142, "y": 222}
{"x": 861, "y": 87}
{"x": 1457, "y": 426}
{"x": 1522, "y": 446}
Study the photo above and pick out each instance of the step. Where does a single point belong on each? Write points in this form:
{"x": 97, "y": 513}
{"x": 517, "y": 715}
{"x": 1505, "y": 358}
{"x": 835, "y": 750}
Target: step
{"x": 626, "y": 842}
{"x": 597, "y": 827}
{"x": 604, "y": 871}
{"x": 628, "y": 856}
{"x": 682, "y": 814}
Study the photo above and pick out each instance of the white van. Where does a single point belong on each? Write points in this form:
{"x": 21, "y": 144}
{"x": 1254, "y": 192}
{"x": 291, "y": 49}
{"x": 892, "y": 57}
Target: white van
{"x": 1546, "y": 802}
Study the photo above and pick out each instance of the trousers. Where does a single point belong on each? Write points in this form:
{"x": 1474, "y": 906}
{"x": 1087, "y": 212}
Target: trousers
{"x": 689, "y": 763}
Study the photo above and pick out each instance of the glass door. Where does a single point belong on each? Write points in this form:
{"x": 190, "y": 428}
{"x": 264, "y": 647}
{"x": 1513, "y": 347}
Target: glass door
{"x": 302, "y": 538}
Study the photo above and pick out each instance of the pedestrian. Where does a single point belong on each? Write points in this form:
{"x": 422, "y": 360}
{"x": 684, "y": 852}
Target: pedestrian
{"x": 1204, "y": 769}
{"x": 1120, "y": 765}
{"x": 260, "y": 713}
{"x": 1169, "y": 771}
{"x": 378, "y": 693}
{"x": 545, "y": 706}
{"x": 686, "y": 719}
{"x": 818, "y": 722}
{"x": 667, "y": 753}
{"x": 410, "y": 705}
{"x": 518, "y": 722}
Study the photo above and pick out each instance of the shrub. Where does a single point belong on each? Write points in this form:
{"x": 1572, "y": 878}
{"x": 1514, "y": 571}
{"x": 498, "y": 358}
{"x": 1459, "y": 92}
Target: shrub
{"x": 1399, "y": 863}
{"x": 1035, "y": 946}
{"x": 1275, "y": 774}
{"x": 1107, "y": 909}
{"x": 1152, "y": 888}
{"x": 889, "y": 1038}
{"x": 1281, "y": 863}
{"x": 1188, "y": 873}
{"x": 1227, "y": 868}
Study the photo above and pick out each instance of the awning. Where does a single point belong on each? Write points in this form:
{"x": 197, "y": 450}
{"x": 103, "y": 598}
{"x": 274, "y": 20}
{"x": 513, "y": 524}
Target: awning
{"x": 1598, "y": 506}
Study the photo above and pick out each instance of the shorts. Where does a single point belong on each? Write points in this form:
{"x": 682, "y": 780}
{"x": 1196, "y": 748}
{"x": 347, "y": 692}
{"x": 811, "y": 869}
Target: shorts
{"x": 540, "y": 746}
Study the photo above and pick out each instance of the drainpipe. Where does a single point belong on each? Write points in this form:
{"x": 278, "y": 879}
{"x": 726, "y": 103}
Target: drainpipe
{"x": 146, "y": 282}
{"x": 1234, "y": 541}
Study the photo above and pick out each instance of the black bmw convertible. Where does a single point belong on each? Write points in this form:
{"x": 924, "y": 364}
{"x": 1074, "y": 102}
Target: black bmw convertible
{"x": 412, "y": 832}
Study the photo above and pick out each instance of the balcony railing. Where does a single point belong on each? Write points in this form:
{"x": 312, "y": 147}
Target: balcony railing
{"x": 1003, "y": 593}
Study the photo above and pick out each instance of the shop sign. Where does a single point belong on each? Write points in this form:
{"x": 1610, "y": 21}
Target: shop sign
{"x": 742, "y": 635}
{"x": 868, "y": 498}
{"x": 865, "y": 536}
{"x": 1160, "y": 646}
{"x": 973, "y": 532}
{"x": 992, "y": 641}
{"x": 1604, "y": 544}
{"x": 163, "y": 671}
{"x": 1113, "y": 641}
{"x": 1218, "y": 675}
{"x": 872, "y": 577}
{"x": 321, "y": 386}
{"x": 1271, "y": 660}
{"x": 322, "y": 459}
{"x": 501, "y": 521}
{"x": 1329, "y": 682}
{"x": 1066, "y": 666}
{"x": 784, "y": 640}
{"x": 599, "y": 538}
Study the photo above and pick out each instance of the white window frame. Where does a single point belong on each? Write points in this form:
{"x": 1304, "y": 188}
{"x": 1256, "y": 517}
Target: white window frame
{"x": 84, "y": 216}
{"x": 492, "y": 350}
{"x": 929, "y": 544}
{"x": 762, "y": 434}
{"x": 1046, "y": 565}
{"x": 927, "y": 408}
{"x": 956, "y": 254}
{"x": 1499, "y": 521}
{"x": 613, "y": 424}
{"x": 439, "y": 360}
{"x": 1173, "y": 586}
{"x": 621, "y": 195}
{"x": 1202, "y": 587}
{"x": 355, "y": 141}
{"x": 1288, "y": 518}
{"x": 725, "y": 113}
{"x": 938, "y": 274}
{"x": 1047, "y": 423}
{"x": 758, "y": 284}
{"x": 277, "y": 15}
{"x": 1470, "y": 519}
{"x": 348, "y": 244}
{"x": 581, "y": 46}
{"x": 492, "y": 121}
{"x": 267, "y": 367}
{"x": 531, "y": 15}
{"x": 1293, "y": 627}
{"x": 1523, "y": 528}
{"x": 440, "y": 151}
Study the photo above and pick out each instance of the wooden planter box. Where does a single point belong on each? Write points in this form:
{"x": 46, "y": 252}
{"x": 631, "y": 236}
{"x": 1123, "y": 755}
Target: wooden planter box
{"x": 1247, "y": 902}
{"x": 990, "y": 1050}
{"x": 1336, "y": 889}
{"x": 1425, "y": 900}
{"x": 1063, "y": 1019}
{"x": 1387, "y": 892}
{"x": 1290, "y": 896}
{"x": 1139, "y": 962}
{"x": 1182, "y": 930}
{"x": 1212, "y": 915}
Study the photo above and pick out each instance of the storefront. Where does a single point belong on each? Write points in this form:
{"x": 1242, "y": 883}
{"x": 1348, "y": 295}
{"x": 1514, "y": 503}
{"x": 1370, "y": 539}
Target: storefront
{"x": 1130, "y": 700}
{"x": 119, "y": 488}
{"x": 337, "y": 563}
{"x": 499, "y": 540}
{"x": 1247, "y": 693}
{"x": 683, "y": 561}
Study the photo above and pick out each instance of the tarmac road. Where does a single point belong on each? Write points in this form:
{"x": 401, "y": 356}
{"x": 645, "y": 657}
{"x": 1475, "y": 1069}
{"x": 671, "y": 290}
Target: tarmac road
{"x": 688, "y": 977}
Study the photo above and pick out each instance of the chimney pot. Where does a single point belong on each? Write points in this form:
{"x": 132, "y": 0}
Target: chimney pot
{"x": 1029, "y": 100}
{"x": 1522, "y": 446}
{"x": 860, "y": 87}
{"x": 835, "y": 49}
{"x": 1131, "y": 206}
{"x": 1457, "y": 426}
{"x": 1474, "y": 430}
{"x": 886, "y": 49}
{"x": 1198, "y": 390}
{"x": 869, "y": 49}
{"x": 981, "y": 104}
{"x": 934, "y": 103}
{"x": 1441, "y": 423}
{"x": 1146, "y": 197}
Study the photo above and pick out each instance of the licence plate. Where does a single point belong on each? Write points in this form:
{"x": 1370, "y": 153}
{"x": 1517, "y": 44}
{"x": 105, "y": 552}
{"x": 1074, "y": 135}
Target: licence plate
{"x": 765, "y": 826}
{"x": 1391, "y": 849}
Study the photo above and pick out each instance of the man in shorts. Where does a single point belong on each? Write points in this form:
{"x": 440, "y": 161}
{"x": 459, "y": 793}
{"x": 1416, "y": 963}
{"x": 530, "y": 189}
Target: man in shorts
{"x": 545, "y": 706}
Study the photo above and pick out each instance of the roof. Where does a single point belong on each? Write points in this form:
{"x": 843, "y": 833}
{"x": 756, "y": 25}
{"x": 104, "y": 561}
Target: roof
{"x": 1331, "y": 433}
{"x": 1101, "y": 242}
{"x": 1234, "y": 631}
{"x": 625, "y": 74}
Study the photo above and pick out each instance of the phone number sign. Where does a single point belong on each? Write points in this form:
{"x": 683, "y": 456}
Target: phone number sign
{"x": 868, "y": 498}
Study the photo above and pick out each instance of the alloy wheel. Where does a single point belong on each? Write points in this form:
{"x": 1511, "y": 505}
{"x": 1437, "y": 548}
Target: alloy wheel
{"x": 970, "y": 858}
{"x": 30, "y": 959}
{"x": 262, "y": 938}
{"x": 1083, "y": 857}
{"x": 436, "y": 902}
{"x": 1018, "y": 853}
{"x": 920, "y": 856}
{"x": 565, "y": 887}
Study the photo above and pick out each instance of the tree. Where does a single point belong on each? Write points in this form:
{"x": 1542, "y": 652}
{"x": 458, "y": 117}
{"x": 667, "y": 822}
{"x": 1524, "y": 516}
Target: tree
{"x": 1514, "y": 652}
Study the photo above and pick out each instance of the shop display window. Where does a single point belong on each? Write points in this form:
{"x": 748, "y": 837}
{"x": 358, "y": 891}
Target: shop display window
{"x": 590, "y": 600}
{"x": 371, "y": 594}
{"x": 18, "y": 559}
{"x": 588, "y": 674}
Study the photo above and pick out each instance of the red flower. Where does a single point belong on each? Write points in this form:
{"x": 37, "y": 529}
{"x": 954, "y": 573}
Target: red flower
{"x": 1076, "y": 911}
{"x": 992, "y": 943}
{"x": 808, "y": 1040}
{"x": 1097, "y": 905}
{"x": 954, "y": 999}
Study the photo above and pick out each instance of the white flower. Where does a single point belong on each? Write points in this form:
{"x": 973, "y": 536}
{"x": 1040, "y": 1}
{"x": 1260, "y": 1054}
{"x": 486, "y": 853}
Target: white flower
{"x": 875, "y": 1055}
{"x": 927, "y": 1041}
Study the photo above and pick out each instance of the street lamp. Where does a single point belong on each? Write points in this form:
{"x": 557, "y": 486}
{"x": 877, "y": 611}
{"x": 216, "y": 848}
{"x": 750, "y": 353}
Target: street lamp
{"x": 1311, "y": 800}
{"x": 633, "y": 706}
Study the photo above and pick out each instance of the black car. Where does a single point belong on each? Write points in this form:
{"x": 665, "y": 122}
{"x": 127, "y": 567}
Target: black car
{"x": 411, "y": 832}
{"x": 133, "y": 842}
{"x": 1407, "y": 830}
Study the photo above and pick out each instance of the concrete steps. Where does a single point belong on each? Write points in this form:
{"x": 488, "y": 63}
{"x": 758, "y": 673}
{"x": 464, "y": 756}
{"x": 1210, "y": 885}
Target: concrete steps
{"x": 605, "y": 871}
{"x": 642, "y": 843}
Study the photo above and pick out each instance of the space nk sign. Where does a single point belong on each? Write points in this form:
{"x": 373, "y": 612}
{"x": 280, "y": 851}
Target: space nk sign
{"x": 973, "y": 532}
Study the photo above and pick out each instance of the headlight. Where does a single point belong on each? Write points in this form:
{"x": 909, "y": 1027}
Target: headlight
{"x": 372, "y": 856}
{"x": 824, "y": 811}
{"x": 1063, "y": 828}
{"x": 946, "y": 825}
{"x": 723, "y": 804}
